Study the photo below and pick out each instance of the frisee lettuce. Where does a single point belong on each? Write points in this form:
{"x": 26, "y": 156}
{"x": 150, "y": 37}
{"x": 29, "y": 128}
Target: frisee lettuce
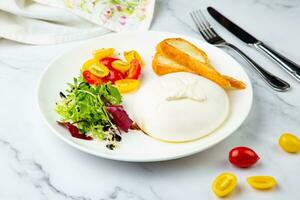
{"x": 84, "y": 106}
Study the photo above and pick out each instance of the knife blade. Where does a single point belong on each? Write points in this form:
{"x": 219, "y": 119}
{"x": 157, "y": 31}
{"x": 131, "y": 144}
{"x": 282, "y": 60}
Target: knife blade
{"x": 232, "y": 27}
{"x": 288, "y": 65}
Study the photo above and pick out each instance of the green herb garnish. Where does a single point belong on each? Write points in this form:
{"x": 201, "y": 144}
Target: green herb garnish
{"x": 84, "y": 106}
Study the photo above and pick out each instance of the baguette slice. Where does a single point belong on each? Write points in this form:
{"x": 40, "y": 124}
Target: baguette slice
{"x": 235, "y": 84}
{"x": 183, "y": 52}
{"x": 162, "y": 65}
{"x": 186, "y": 54}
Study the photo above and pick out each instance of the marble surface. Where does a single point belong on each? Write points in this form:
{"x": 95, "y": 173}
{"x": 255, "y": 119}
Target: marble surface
{"x": 35, "y": 164}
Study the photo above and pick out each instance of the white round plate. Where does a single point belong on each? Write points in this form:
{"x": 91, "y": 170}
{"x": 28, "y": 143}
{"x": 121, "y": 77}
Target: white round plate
{"x": 135, "y": 146}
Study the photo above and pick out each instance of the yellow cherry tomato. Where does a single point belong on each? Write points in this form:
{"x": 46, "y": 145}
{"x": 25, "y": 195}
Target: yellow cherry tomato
{"x": 102, "y": 53}
{"x": 99, "y": 70}
{"x": 88, "y": 63}
{"x": 224, "y": 184}
{"x": 120, "y": 65}
{"x": 289, "y": 142}
{"x": 261, "y": 182}
{"x": 130, "y": 55}
{"x": 127, "y": 85}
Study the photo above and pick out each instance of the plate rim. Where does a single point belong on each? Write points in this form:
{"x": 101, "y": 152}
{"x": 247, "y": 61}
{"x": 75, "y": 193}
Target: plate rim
{"x": 129, "y": 159}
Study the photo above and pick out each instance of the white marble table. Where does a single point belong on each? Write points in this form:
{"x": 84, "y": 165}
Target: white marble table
{"x": 37, "y": 165}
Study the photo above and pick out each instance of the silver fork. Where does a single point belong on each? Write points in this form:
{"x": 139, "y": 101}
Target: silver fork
{"x": 212, "y": 37}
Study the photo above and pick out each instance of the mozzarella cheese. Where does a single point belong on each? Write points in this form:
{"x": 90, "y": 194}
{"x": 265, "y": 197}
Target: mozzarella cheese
{"x": 180, "y": 107}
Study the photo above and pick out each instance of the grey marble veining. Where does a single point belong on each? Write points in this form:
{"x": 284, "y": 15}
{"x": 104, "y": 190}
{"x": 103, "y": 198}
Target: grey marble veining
{"x": 278, "y": 4}
{"x": 36, "y": 165}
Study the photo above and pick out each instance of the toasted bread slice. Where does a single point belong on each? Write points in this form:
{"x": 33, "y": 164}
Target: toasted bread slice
{"x": 182, "y": 52}
{"x": 162, "y": 65}
{"x": 235, "y": 84}
{"x": 186, "y": 47}
{"x": 187, "y": 54}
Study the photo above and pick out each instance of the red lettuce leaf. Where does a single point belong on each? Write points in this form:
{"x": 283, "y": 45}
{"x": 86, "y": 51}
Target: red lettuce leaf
{"x": 74, "y": 131}
{"x": 119, "y": 117}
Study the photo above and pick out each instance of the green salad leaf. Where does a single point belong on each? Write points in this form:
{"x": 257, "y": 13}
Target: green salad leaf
{"x": 84, "y": 106}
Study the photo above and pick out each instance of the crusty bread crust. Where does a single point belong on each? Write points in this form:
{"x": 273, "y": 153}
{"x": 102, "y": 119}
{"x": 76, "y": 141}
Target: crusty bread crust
{"x": 195, "y": 65}
{"x": 161, "y": 68}
{"x": 180, "y": 61}
{"x": 235, "y": 84}
{"x": 195, "y": 49}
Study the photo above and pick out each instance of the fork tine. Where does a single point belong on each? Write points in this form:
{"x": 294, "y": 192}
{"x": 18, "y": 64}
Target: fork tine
{"x": 199, "y": 25}
{"x": 205, "y": 23}
{"x": 192, "y": 14}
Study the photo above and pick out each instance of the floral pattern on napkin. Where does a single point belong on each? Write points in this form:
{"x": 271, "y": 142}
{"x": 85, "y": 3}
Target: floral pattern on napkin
{"x": 116, "y": 15}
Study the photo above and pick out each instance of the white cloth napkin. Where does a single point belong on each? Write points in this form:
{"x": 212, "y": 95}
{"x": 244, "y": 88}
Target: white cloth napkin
{"x": 57, "y": 21}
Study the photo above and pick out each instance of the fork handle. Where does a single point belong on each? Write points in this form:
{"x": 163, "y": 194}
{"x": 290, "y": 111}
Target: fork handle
{"x": 273, "y": 81}
{"x": 289, "y": 66}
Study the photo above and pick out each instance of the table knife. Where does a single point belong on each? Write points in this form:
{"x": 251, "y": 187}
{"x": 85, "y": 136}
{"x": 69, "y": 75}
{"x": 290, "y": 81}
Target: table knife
{"x": 289, "y": 66}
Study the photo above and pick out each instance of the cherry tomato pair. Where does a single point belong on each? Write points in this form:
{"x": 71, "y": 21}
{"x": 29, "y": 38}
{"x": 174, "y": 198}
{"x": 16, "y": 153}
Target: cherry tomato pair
{"x": 131, "y": 69}
{"x": 123, "y": 75}
{"x": 90, "y": 78}
{"x": 245, "y": 157}
{"x": 93, "y": 72}
{"x": 113, "y": 74}
{"x": 134, "y": 70}
{"x": 104, "y": 68}
{"x": 225, "y": 183}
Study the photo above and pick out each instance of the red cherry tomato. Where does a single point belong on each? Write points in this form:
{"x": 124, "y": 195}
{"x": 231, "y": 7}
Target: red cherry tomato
{"x": 107, "y": 61}
{"x": 243, "y": 157}
{"x": 134, "y": 70}
{"x": 113, "y": 76}
{"x": 90, "y": 78}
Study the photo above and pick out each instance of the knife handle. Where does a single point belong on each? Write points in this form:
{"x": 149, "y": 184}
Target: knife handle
{"x": 289, "y": 66}
{"x": 273, "y": 81}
